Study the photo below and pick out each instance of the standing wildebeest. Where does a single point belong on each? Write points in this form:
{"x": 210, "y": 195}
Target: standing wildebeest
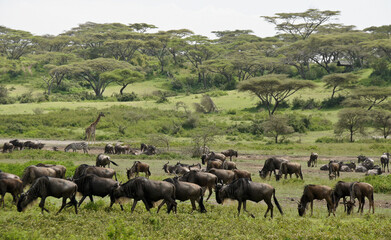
{"x": 109, "y": 149}
{"x": 242, "y": 174}
{"x": 230, "y": 153}
{"x": 318, "y": 192}
{"x": 45, "y": 187}
{"x": 212, "y": 156}
{"x": 313, "y": 160}
{"x": 148, "y": 191}
{"x": 243, "y": 189}
{"x": 223, "y": 176}
{"x": 33, "y": 145}
{"x": 169, "y": 168}
{"x": 181, "y": 168}
{"x": 91, "y": 185}
{"x": 341, "y": 190}
{"x": 103, "y": 160}
{"x": 229, "y": 165}
{"x": 32, "y": 173}
{"x": 10, "y": 185}
{"x": 8, "y": 175}
{"x": 334, "y": 168}
{"x": 8, "y": 147}
{"x": 137, "y": 168}
{"x": 218, "y": 164}
{"x": 77, "y": 146}
{"x": 187, "y": 191}
{"x": 60, "y": 169}
{"x": 203, "y": 179}
{"x": 289, "y": 168}
{"x": 85, "y": 169}
{"x": 271, "y": 165}
{"x": 360, "y": 190}
{"x": 385, "y": 159}
{"x": 17, "y": 144}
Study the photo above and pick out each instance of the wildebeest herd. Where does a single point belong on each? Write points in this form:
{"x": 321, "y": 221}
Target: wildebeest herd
{"x": 190, "y": 182}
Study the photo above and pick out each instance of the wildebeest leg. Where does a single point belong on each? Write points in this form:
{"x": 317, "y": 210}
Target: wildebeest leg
{"x": 82, "y": 199}
{"x": 210, "y": 193}
{"x": 91, "y": 198}
{"x": 146, "y": 204}
{"x": 312, "y": 205}
{"x": 344, "y": 203}
{"x": 42, "y": 205}
{"x": 2, "y": 199}
{"x": 134, "y": 206}
{"x": 193, "y": 205}
{"x": 244, "y": 209}
{"x": 64, "y": 202}
{"x": 269, "y": 207}
{"x": 161, "y": 204}
{"x": 239, "y": 206}
{"x": 331, "y": 205}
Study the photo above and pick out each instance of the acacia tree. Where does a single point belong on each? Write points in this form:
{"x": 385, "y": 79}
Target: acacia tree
{"x": 339, "y": 81}
{"x": 276, "y": 126}
{"x": 369, "y": 96}
{"x": 352, "y": 120}
{"x": 123, "y": 77}
{"x": 272, "y": 89}
{"x": 382, "y": 122}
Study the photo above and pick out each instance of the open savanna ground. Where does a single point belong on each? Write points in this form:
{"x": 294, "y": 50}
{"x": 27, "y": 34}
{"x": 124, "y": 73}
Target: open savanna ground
{"x": 96, "y": 220}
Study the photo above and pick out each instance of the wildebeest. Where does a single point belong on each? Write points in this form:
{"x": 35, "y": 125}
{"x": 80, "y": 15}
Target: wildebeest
{"x": 334, "y": 168}
{"x": 148, "y": 191}
{"x": 203, "y": 179}
{"x": 230, "y": 153}
{"x": 137, "y": 168}
{"x": 347, "y": 167}
{"x": 361, "y": 169}
{"x": 7, "y": 147}
{"x": 212, "y": 156}
{"x": 187, "y": 191}
{"x": 373, "y": 172}
{"x": 318, "y": 192}
{"x": 169, "y": 168}
{"x": 289, "y": 168}
{"x": 45, "y": 187}
{"x": 223, "y": 176}
{"x": 85, "y": 169}
{"x": 10, "y": 185}
{"x": 360, "y": 190}
{"x": 341, "y": 190}
{"x": 243, "y": 189}
{"x": 33, "y": 145}
{"x": 324, "y": 167}
{"x": 271, "y": 165}
{"x": 17, "y": 144}
{"x": 60, "y": 169}
{"x": 216, "y": 163}
{"x": 91, "y": 185}
{"x": 241, "y": 174}
{"x": 8, "y": 175}
{"x": 366, "y": 162}
{"x": 31, "y": 173}
{"x": 109, "y": 149}
{"x": 147, "y": 149}
{"x": 385, "y": 159}
{"x": 229, "y": 165}
{"x": 195, "y": 167}
{"x": 118, "y": 149}
{"x": 181, "y": 168}
{"x": 313, "y": 160}
{"x": 103, "y": 160}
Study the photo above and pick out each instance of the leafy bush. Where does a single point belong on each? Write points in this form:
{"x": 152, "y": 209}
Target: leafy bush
{"x": 299, "y": 103}
{"x": 380, "y": 183}
{"x": 332, "y": 102}
{"x": 327, "y": 140}
{"x": 126, "y": 97}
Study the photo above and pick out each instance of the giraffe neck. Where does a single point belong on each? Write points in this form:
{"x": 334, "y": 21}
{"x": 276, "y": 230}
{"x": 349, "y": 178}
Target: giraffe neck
{"x": 96, "y": 121}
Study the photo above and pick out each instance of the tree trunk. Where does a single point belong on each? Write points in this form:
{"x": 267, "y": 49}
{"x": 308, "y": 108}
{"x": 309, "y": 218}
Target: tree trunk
{"x": 123, "y": 88}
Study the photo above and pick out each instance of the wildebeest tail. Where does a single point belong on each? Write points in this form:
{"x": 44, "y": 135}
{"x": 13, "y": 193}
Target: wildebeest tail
{"x": 201, "y": 202}
{"x": 149, "y": 173}
{"x": 276, "y": 202}
{"x": 113, "y": 163}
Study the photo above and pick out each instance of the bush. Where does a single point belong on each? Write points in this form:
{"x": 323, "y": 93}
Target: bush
{"x": 26, "y": 98}
{"x": 381, "y": 184}
{"x": 332, "y": 102}
{"x": 126, "y": 97}
{"x": 298, "y": 103}
{"x": 327, "y": 140}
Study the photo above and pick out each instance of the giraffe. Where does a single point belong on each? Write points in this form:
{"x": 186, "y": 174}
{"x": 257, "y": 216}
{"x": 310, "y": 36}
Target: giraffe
{"x": 90, "y": 131}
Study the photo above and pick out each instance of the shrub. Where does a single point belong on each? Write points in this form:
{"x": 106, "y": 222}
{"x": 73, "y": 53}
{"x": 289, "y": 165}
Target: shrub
{"x": 332, "y": 102}
{"x": 126, "y": 97}
{"x": 381, "y": 184}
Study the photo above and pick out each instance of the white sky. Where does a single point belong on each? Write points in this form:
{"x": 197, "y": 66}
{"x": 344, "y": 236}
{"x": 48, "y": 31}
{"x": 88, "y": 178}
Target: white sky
{"x": 201, "y": 16}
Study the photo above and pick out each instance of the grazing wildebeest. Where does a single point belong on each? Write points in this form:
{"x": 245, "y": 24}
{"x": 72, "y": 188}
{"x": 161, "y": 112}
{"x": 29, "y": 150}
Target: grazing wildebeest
{"x": 203, "y": 179}
{"x": 187, "y": 191}
{"x": 85, "y": 169}
{"x": 360, "y": 190}
{"x": 230, "y": 153}
{"x": 60, "y": 169}
{"x": 318, "y": 192}
{"x": 374, "y": 171}
{"x": 241, "y": 174}
{"x": 223, "y": 176}
{"x": 341, "y": 190}
{"x": 229, "y": 165}
{"x": 45, "y": 187}
{"x": 271, "y": 165}
{"x": 243, "y": 189}
{"x": 77, "y": 146}
{"x": 103, "y": 160}
{"x": 385, "y": 159}
{"x": 289, "y": 168}
{"x": 8, "y": 147}
{"x": 31, "y": 173}
{"x": 17, "y": 144}
{"x": 10, "y": 185}
{"x": 169, "y": 168}
{"x": 8, "y": 175}
{"x": 334, "y": 168}
{"x": 313, "y": 160}
{"x": 91, "y": 185}
{"x": 137, "y": 168}
{"x": 109, "y": 149}
{"x": 148, "y": 191}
